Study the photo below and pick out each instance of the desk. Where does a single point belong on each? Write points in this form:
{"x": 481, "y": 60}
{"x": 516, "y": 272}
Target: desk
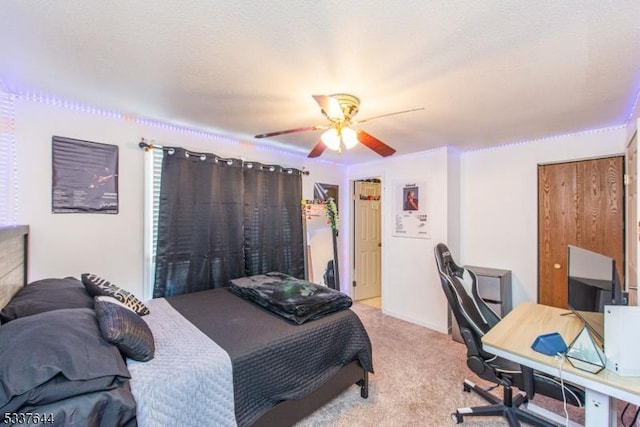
{"x": 512, "y": 337}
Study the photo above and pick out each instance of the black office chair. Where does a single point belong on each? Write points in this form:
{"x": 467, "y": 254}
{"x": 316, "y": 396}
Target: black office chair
{"x": 475, "y": 318}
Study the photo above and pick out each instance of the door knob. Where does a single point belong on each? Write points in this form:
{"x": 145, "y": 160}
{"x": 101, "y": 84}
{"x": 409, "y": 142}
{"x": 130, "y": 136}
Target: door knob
{"x": 557, "y": 266}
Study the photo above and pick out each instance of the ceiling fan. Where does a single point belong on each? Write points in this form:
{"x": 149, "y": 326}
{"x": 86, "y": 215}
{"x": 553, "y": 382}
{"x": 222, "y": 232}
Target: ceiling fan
{"x": 339, "y": 109}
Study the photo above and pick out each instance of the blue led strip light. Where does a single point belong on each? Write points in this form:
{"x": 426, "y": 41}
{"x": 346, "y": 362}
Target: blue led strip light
{"x": 564, "y": 135}
{"x": 76, "y": 106}
{"x": 634, "y": 108}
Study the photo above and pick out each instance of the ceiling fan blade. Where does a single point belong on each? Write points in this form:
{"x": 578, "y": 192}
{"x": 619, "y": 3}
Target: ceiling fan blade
{"x": 388, "y": 114}
{"x": 283, "y": 132}
{"x": 317, "y": 149}
{"x": 374, "y": 143}
{"x": 330, "y": 106}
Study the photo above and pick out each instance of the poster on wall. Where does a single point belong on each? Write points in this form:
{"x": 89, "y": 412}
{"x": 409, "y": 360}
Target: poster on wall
{"x": 85, "y": 176}
{"x": 410, "y": 210}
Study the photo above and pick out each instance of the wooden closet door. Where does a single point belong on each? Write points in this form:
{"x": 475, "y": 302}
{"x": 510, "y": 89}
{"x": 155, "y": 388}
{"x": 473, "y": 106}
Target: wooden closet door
{"x": 581, "y": 204}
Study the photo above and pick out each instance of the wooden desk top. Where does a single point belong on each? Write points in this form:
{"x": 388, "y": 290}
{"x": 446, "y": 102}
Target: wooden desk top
{"x": 517, "y": 331}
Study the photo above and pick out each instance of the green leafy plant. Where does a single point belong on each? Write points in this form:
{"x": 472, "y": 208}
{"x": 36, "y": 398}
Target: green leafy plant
{"x": 332, "y": 212}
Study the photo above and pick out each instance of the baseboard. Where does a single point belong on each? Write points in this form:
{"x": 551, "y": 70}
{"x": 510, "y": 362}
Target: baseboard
{"x": 415, "y": 321}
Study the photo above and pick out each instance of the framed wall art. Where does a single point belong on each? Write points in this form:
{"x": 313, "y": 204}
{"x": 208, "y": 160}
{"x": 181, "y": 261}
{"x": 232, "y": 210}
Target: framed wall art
{"x": 85, "y": 176}
{"x": 410, "y": 210}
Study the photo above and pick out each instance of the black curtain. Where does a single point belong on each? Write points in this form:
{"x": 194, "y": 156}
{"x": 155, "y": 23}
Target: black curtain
{"x": 219, "y": 220}
{"x": 273, "y": 235}
{"x": 200, "y": 239}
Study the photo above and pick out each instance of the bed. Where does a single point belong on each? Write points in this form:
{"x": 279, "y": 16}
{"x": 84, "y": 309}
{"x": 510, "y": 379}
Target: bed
{"x": 219, "y": 359}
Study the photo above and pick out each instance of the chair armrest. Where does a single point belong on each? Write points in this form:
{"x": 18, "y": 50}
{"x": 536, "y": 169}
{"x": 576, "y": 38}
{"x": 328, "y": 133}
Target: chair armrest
{"x": 472, "y": 346}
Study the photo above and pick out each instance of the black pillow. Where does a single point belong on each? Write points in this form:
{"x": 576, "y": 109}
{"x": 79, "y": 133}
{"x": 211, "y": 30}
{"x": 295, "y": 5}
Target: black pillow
{"x": 124, "y": 328}
{"x": 54, "y": 355}
{"x": 97, "y": 286}
{"x": 46, "y": 295}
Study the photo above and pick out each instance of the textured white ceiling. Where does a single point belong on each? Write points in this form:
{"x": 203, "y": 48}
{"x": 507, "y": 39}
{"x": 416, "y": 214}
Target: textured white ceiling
{"x": 486, "y": 72}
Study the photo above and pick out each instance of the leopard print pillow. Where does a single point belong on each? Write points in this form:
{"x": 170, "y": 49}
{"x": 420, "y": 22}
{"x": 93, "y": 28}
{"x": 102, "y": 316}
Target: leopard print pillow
{"x": 98, "y": 286}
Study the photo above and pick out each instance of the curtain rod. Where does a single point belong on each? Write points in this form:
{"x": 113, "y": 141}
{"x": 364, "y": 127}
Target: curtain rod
{"x": 146, "y": 146}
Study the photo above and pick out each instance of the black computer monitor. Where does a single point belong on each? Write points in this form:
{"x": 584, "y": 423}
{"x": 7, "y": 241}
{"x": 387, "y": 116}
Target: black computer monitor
{"x": 592, "y": 282}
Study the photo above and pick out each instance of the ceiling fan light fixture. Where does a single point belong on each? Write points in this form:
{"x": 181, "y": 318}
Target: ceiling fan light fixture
{"x": 349, "y": 138}
{"x": 339, "y": 109}
{"x": 331, "y": 138}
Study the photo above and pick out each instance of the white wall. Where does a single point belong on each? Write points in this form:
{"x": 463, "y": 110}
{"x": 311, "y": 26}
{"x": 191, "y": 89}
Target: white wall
{"x": 410, "y": 285}
{"x": 499, "y": 198}
{"x": 110, "y": 245}
{"x": 481, "y": 203}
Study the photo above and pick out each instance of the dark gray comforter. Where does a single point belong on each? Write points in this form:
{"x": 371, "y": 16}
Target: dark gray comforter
{"x": 273, "y": 359}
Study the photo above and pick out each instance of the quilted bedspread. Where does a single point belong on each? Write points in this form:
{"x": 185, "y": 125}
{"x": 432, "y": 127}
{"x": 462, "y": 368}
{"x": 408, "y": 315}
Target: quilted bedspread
{"x": 274, "y": 359}
{"x": 189, "y": 382}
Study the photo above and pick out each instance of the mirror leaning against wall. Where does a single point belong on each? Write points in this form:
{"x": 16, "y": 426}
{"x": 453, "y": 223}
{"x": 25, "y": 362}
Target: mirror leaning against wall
{"x": 320, "y": 219}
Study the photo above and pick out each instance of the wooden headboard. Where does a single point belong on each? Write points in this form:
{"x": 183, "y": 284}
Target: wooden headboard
{"x": 13, "y": 260}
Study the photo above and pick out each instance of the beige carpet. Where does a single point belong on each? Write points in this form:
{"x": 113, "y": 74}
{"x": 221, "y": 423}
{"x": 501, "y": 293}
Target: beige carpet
{"x": 372, "y": 302}
{"x": 417, "y": 381}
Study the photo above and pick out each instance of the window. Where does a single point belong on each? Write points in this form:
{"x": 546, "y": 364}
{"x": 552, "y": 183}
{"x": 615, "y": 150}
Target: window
{"x": 8, "y": 178}
{"x": 152, "y": 180}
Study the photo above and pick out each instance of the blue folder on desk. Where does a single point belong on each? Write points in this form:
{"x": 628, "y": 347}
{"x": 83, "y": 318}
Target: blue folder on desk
{"x": 549, "y": 344}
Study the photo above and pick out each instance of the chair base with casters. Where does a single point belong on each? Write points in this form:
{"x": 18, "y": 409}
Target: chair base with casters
{"x": 507, "y": 375}
{"x": 508, "y": 407}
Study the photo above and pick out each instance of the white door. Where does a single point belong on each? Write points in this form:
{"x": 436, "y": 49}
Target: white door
{"x": 367, "y": 240}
